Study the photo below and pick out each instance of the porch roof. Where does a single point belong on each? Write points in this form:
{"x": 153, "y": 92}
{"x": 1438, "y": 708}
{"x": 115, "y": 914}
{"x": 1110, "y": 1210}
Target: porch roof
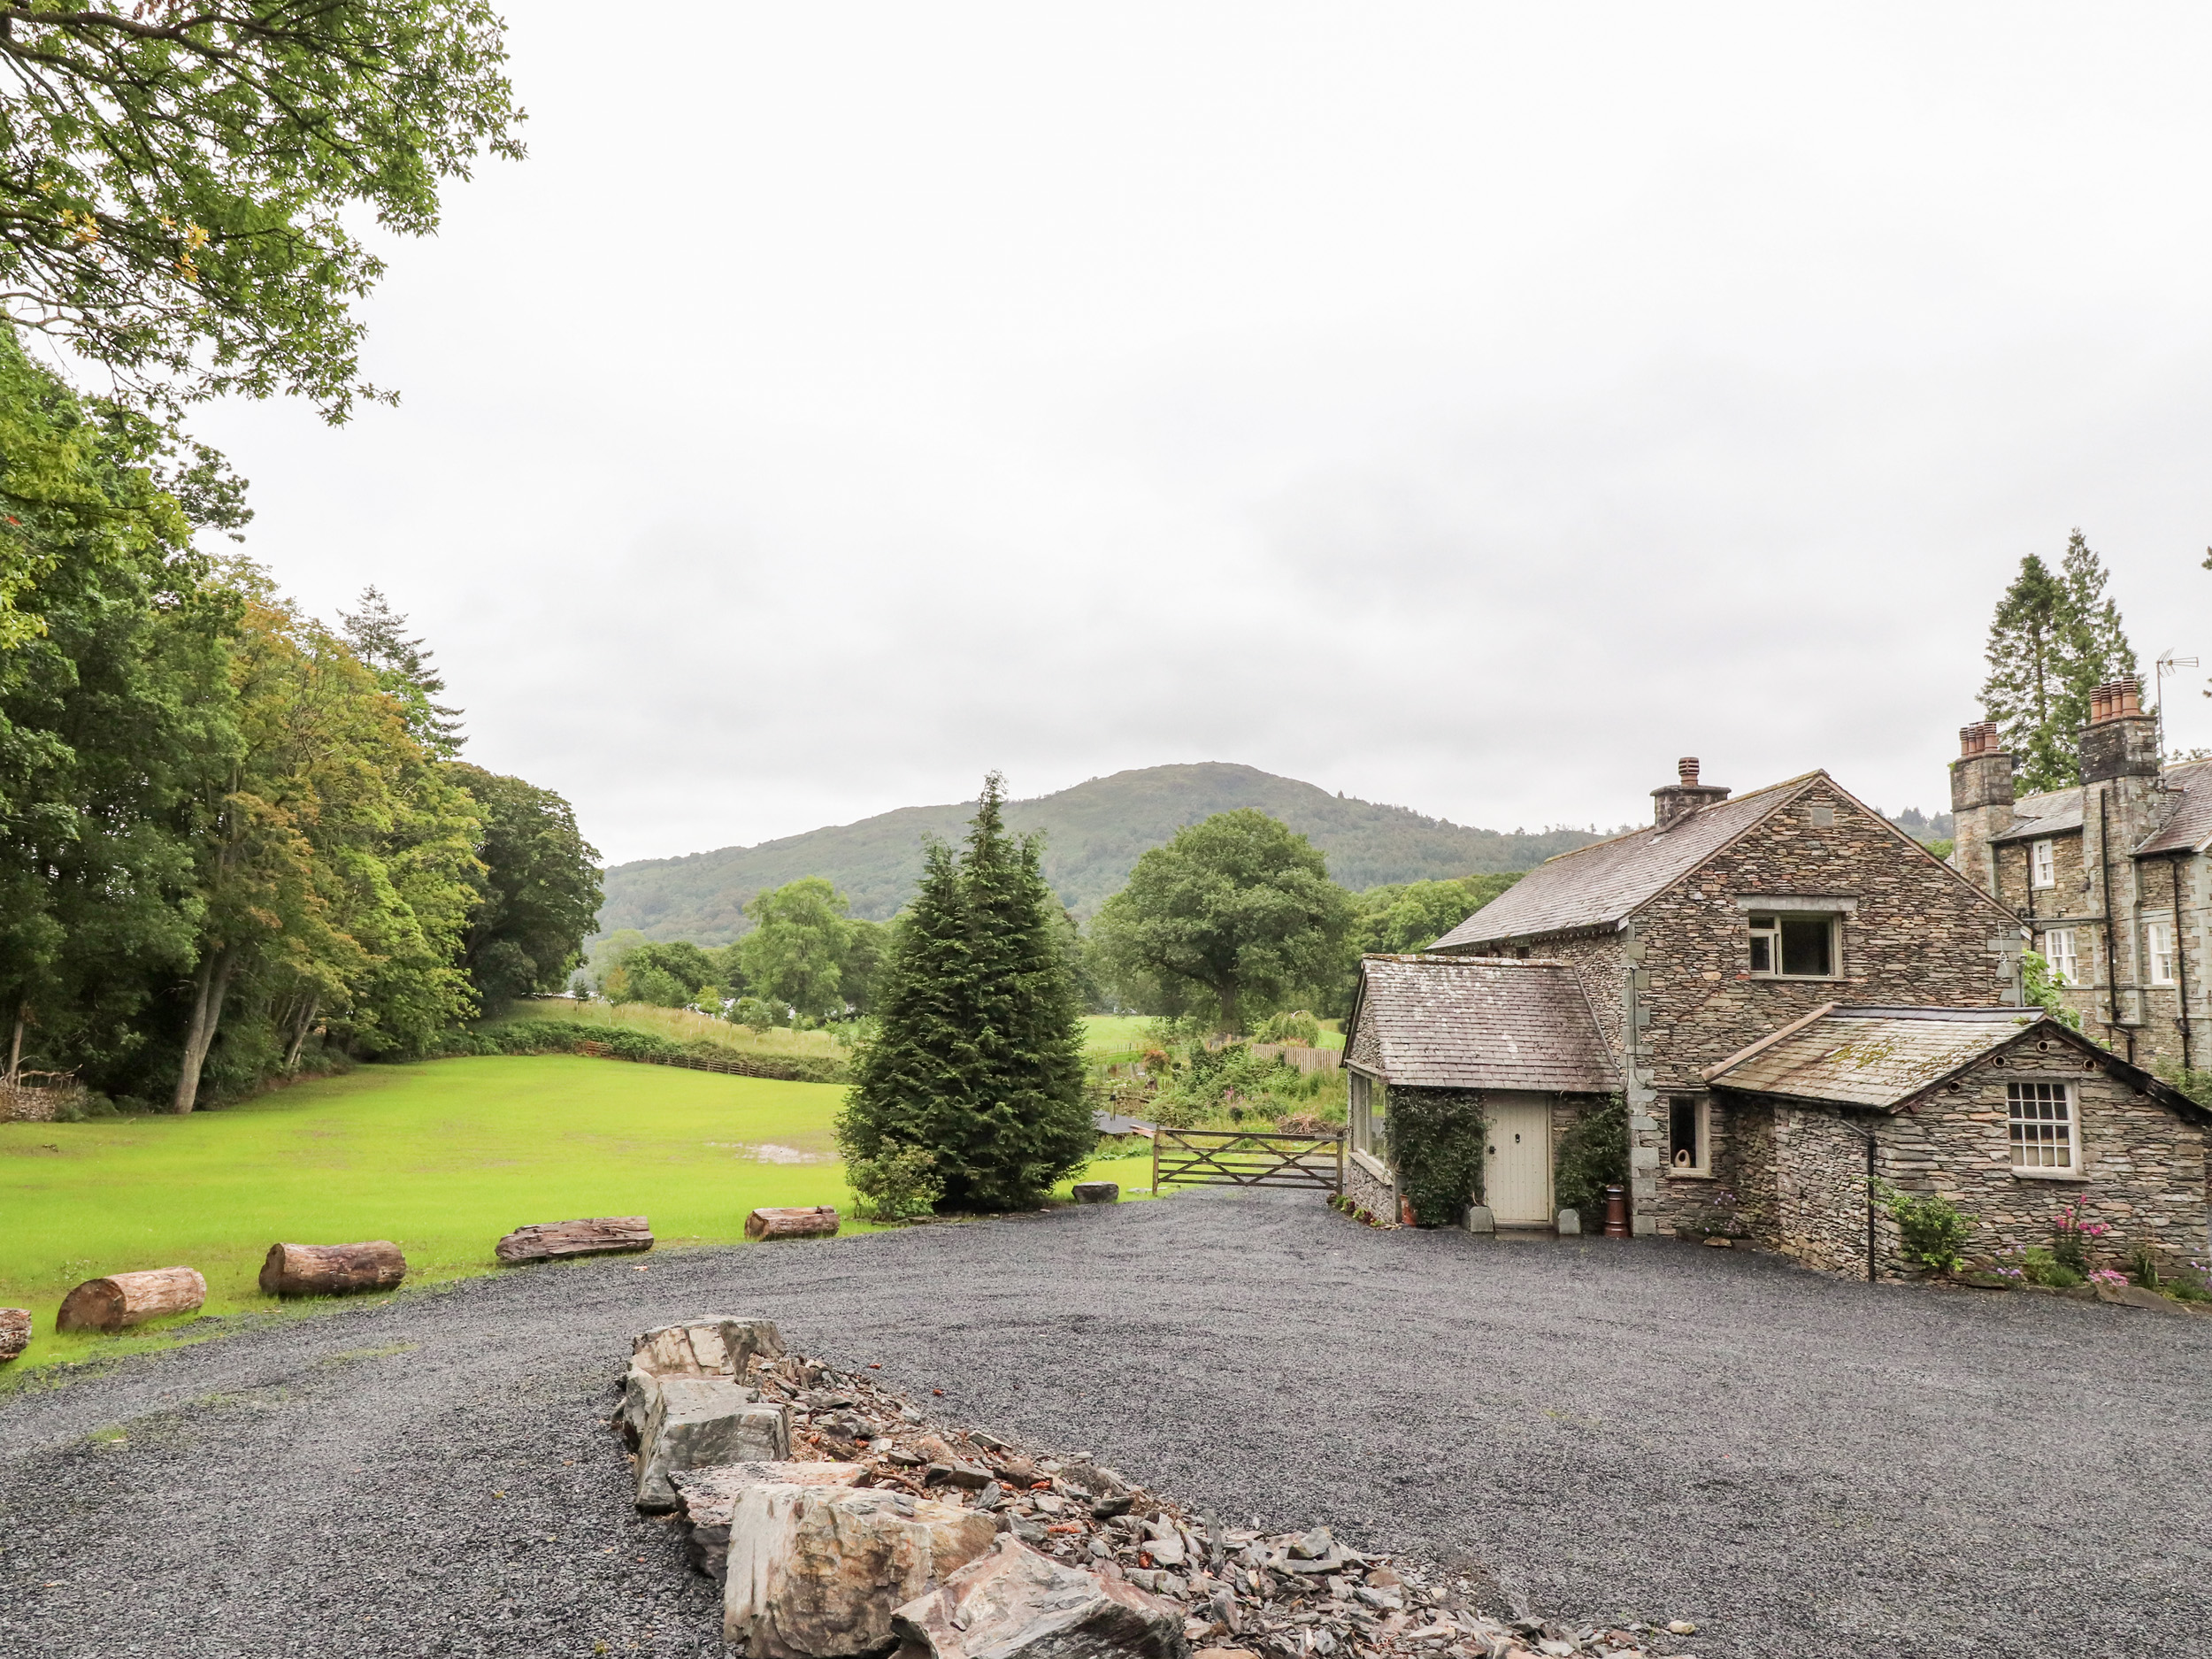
{"x": 1872, "y": 1057}
{"x": 1480, "y": 1022}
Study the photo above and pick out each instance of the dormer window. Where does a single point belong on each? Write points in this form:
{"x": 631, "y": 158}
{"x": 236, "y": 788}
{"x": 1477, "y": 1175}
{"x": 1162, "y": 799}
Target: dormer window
{"x": 2042, "y": 865}
{"x": 1794, "y": 945}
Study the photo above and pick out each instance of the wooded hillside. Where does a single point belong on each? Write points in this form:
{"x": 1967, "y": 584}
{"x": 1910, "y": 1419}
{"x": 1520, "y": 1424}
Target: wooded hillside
{"x": 1094, "y": 835}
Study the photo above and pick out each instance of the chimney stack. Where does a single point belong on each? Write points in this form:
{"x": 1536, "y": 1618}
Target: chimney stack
{"x": 1981, "y": 801}
{"x": 1674, "y": 802}
{"x": 2120, "y": 740}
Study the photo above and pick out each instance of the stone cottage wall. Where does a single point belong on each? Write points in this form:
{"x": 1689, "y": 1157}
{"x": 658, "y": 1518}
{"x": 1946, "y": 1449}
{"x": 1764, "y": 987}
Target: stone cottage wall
{"x": 1918, "y": 933}
{"x": 1820, "y": 1192}
{"x": 2143, "y": 1165}
{"x": 2071, "y": 896}
{"x": 1743, "y": 1164}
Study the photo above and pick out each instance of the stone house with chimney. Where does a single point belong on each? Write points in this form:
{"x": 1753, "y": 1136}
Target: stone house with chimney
{"x": 1788, "y": 993}
{"x": 2110, "y": 878}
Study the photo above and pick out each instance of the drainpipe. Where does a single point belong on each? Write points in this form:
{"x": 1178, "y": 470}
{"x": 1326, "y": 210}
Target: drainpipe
{"x": 2111, "y": 956}
{"x": 2181, "y": 953}
{"x": 1870, "y": 1205}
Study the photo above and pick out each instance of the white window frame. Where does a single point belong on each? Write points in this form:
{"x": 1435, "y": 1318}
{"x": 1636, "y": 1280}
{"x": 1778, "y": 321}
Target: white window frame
{"x": 2158, "y": 953}
{"x": 1772, "y": 937}
{"x": 2065, "y": 964}
{"x": 1361, "y": 1089}
{"x": 1701, "y": 1108}
{"x": 2042, "y": 1093}
{"x": 2042, "y": 865}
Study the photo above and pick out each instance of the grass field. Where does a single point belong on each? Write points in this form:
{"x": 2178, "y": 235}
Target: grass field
{"x": 679, "y": 1025}
{"x": 441, "y": 1158}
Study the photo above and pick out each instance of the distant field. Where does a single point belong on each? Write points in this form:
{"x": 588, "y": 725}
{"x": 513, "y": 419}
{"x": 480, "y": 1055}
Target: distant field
{"x": 441, "y": 1158}
{"x": 679, "y": 1025}
{"x": 1125, "y": 1034}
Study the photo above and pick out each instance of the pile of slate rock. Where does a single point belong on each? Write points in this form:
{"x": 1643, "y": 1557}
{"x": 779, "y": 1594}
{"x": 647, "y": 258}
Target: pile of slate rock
{"x": 844, "y": 1523}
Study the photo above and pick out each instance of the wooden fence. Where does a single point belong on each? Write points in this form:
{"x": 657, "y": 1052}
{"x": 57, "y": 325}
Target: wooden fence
{"x": 1305, "y": 1059}
{"x": 1226, "y": 1157}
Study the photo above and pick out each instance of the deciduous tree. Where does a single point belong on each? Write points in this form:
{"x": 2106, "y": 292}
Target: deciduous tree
{"x": 538, "y": 894}
{"x": 1231, "y": 916}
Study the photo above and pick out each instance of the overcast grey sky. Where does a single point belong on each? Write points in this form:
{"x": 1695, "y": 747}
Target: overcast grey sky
{"x": 1469, "y": 407}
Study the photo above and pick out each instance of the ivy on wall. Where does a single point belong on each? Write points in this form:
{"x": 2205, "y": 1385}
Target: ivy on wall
{"x": 1593, "y": 1156}
{"x": 1436, "y": 1139}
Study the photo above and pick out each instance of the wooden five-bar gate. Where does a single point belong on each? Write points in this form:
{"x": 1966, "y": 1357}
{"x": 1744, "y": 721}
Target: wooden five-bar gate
{"x": 1232, "y": 1158}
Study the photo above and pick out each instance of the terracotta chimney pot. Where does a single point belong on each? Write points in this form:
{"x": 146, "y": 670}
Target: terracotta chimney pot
{"x": 1686, "y": 770}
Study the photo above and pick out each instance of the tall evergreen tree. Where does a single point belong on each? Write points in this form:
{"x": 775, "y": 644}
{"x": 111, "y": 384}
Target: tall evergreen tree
{"x": 378, "y": 635}
{"x": 977, "y": 1060}
{"x": 2055, "y": 639}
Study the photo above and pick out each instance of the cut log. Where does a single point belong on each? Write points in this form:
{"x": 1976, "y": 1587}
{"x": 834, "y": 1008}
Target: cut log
{"x": 793, "y": 1221}
{"x": 128, "y": 1299}
{"x": 15, "y": 1331}
{"x": 331, "y": 1270}
{"x": 547, "y": 1241}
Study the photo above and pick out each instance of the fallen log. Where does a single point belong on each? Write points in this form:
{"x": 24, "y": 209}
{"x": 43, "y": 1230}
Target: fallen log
{"x": 547, "y": 1241}
{"x": 331, "y": 1270}
{"x": 15, "y": 1331}
{"x": 793, "y": 1221}
{"x": 128, "y": 1299}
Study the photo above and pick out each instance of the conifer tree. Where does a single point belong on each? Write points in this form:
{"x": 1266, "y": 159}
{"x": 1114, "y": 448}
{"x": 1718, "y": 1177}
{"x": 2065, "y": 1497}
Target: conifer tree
{"x": 2055, "y": 639}
{"x": 977, "y": 1061}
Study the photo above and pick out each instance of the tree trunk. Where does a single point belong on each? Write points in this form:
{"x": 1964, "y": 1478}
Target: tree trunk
{"x": 546, "y": 1242}
{"x": 331, "y": 1270}
{"x": 127, "y": 1299}
{"x": 800, "y": 1221}
{"x": 15, "y": 1044}
{"x": 210, "y": 985}
{"x": 1230, "y": 1021}
{"x": 308, "y": 1012}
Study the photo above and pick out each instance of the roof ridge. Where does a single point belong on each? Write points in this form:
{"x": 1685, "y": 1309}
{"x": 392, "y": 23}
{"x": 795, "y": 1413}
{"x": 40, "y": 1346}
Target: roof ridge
{"x": 1710, "y": 806}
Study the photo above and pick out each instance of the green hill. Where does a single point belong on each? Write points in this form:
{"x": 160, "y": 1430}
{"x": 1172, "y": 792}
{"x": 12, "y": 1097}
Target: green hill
{"x": 1093, "y": 835}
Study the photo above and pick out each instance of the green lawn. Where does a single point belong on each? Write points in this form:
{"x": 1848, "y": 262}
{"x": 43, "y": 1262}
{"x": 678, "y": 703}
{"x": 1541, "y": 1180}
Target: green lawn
{"x": 441, "y": 1158}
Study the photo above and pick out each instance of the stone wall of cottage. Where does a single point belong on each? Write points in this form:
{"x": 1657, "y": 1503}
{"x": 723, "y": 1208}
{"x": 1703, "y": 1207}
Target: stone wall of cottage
{"x": 2070, "y": 895}
{"x": 1820, "y": 1200}
{"x": 2144, "y": 1173}
{"x": 1916, "y": 934}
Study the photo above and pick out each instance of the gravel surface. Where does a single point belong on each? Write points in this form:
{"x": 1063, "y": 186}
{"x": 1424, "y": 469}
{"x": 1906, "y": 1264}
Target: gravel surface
{"x": 1629, "y": 1430}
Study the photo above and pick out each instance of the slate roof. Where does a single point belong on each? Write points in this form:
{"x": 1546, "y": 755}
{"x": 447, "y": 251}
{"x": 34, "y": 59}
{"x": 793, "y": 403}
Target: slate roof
{"x": 1874, "y": 1058}
{"x": 2190, "y": 829}
{"x": 1602, "y": 883}
{"x": 2054, "y": 812}
{"x": 1480, "y": 1022}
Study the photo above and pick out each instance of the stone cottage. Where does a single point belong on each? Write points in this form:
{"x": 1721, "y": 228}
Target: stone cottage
{"x": 1735, "y": 936}
{"x": 2111, "y": 877}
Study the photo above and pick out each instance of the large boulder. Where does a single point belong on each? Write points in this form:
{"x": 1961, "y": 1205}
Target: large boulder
{"x": 707, "y": 1498}
{"x": 816, "y": 1572}
{"x": 1015, "y": 1603}
{"x": 697, "y": 1421}
{"x": 717, "y": 1346}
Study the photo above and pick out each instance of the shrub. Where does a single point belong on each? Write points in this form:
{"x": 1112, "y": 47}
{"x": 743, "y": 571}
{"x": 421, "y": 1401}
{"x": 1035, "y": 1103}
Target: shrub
{"x": 1593, "y": 1155}
{"x": 2041, "y": 1266}
{"x": 1932, "y": 1231}
{"x": 1301, "y": 1028}
{"x": 898, "y": 1183}
{"x": 2189, "y": 1284}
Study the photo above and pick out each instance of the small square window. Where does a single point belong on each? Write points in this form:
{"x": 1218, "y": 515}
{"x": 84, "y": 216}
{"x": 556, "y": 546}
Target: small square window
{"x": 1823, "y": 816}
{"x": 1793, "y": 946}
{"x": 2040, "y": 1124}
{"x": 2042, "y": 865}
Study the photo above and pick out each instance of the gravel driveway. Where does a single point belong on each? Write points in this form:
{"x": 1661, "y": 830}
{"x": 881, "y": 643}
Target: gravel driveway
{"x": 1646, "y": 1429}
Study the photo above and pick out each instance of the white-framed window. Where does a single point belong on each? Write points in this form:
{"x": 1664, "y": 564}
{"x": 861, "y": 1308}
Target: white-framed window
{"x": 1689, "y": 1134}
{"x": 1796, "y": 945}
{"x": 1370, "y": 1113}
{"x": 2042, "y": 865}
{"x": 2058, "y": 950}
{"x": 2040, "y": 1124}
{"x": 2158, "y": 952}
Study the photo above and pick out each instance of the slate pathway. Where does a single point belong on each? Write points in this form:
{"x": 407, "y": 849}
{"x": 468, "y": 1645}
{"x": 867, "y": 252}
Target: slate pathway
{"x": 1627, "y": 1430}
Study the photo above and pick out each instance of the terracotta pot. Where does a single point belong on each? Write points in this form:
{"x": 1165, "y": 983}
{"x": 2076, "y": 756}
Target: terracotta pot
{"x": 1617, "y": 1213}
{"x": 1406, "y": 1217}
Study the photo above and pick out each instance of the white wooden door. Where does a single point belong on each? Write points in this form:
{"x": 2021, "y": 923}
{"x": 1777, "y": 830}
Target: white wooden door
{"x": 1516, "y": 1177}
